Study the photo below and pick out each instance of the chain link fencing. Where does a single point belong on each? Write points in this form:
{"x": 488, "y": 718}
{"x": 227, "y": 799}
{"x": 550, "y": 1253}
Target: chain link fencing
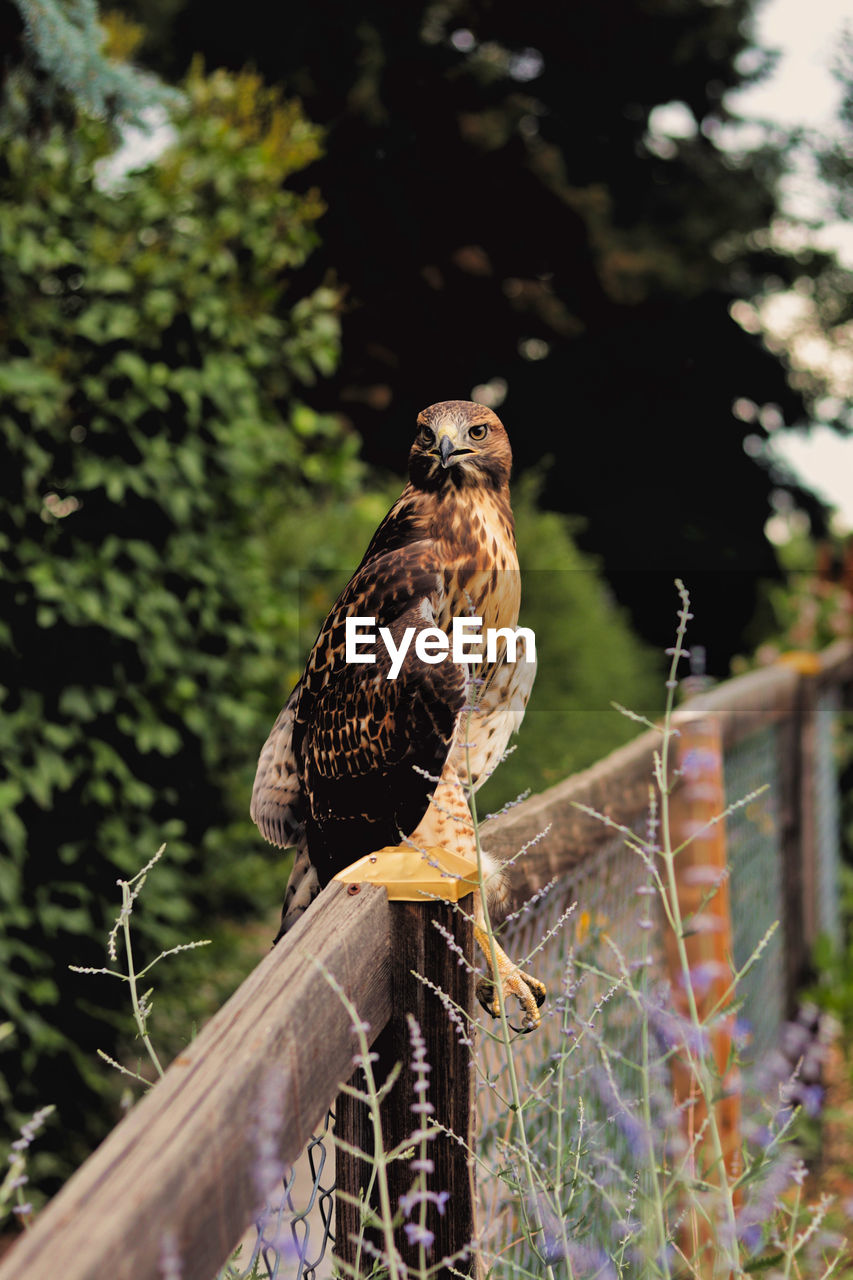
{"x": 589, "y": 1104}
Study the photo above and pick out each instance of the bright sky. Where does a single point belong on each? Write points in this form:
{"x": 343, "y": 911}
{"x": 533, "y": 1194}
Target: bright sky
{"x": 802, "y": 90}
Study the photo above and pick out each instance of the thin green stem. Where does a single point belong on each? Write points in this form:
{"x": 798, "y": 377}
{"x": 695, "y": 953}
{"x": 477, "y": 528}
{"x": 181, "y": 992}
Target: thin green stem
{"x": 790, "y": 1252}
{"x": 645, "y": 1076}
{"x": 421, "y": 1185}
{"x": 698, "y": 1066}
{"x": 138, "y": 1014}
{"x": 515, "y": 1092}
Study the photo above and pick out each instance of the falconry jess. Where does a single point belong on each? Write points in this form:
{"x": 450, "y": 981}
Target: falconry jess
{"x": 434, "y": 645}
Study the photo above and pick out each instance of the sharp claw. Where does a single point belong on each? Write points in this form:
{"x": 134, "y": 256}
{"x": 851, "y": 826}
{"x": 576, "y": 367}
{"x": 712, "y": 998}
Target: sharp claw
{"x": 540, "y": 993}
{"x": 529, "y": 991}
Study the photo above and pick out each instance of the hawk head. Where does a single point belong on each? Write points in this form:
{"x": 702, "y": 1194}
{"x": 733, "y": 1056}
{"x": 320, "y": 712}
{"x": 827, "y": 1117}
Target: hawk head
{"x": 460, "y": 443}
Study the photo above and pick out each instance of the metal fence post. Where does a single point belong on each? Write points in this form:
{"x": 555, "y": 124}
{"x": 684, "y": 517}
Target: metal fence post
{"x": 418, "y": 947}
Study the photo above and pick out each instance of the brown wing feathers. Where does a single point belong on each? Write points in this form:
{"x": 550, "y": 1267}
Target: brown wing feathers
{"x": 365, "y": 750}
{"x": 343, "y": 771}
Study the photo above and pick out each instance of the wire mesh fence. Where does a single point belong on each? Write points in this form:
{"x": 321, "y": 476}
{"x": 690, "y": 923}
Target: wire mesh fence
{"x": 755, "y": 853}
{"x": 293, "y": 1237}
{"x": 587, "y": 1098}
{"x": 827, "y": 762}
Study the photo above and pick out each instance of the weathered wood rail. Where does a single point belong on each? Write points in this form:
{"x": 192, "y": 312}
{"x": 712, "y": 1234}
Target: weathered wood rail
{"x": 180, "y": 1172}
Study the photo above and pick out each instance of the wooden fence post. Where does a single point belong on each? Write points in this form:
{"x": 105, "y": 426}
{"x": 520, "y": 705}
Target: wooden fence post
{"x": 416, "y": 945}
{"x": 794, "y": 951}
{"x": 808, "y": 807}
{"x": 704, "y": 903}
{"x": 799, "y": 837}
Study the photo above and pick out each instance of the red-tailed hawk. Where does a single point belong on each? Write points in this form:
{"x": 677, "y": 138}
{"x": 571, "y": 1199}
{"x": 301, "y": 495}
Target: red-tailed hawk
{"x": 352, "y": 762}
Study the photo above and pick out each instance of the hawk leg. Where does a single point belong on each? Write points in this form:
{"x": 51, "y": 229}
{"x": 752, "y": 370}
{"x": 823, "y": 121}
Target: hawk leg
{"x": 527, "y": 990}
{"x": 448, "y": 824}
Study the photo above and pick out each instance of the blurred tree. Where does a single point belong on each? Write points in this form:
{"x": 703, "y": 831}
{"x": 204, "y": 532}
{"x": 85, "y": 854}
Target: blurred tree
{"x": 810, "y": 323}
{"x": 829, "y": 298}
{"x": 836, "y": 153}
{"x": 154, "y": 352}
{"x": 535, "y": 201}
{"x": 55, "y": 62}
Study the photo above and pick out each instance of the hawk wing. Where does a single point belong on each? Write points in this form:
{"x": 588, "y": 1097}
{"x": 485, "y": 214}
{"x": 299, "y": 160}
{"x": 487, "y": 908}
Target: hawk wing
{"x": 277, "y": 806}
{"x": 354, "y": 757}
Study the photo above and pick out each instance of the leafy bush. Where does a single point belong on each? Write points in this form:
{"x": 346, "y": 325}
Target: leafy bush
{"x": 172, "y": 532}
{"x": 588, "y": 657}
{"x": 152, "y": 352}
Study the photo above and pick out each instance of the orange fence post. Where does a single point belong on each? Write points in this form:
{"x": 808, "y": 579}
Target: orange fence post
{"x": 698, "y": 799}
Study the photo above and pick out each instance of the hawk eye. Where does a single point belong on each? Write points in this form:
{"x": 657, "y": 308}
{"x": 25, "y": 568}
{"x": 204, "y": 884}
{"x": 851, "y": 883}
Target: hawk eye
{"x": 427, "y": 434}
{"x": 478, "y": 431}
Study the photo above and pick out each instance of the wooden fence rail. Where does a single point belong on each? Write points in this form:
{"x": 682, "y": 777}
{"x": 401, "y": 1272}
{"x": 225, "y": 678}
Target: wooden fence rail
{"x": 181, "y": 1172}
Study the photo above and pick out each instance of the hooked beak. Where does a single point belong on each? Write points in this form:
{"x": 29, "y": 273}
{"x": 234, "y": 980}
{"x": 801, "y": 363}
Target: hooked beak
{"x": 446, "y": 447}
{"x": 447, "y": 439}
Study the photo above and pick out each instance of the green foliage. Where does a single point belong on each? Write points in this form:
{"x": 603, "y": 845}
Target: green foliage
{"x": 153, "y": 348}
{"x": 588, "y": 658}
{"x": 813, "y": 607}
{"x": 834, "y": 964}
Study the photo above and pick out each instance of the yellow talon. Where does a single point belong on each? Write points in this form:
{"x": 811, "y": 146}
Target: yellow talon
{"x": 529, "y": 991}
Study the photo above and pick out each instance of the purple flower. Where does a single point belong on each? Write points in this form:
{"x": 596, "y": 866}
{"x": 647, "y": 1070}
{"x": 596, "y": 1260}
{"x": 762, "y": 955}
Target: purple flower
{"x": 550, "y": 1243}
{"x": 752, "y": 1237}
{"x": 810, "y": 1097}
{"x": 267, "y": 1167}
{"x": 409, "y": 1201}
{"x": 622, "y": 1113}
{"x": 416, "y": 1234}
{"x": 360, "y": 1060}
{"x": 697, "y": 762}
{"x": 742, "y": 1034}
{"x": 169, "y": 1263}
{"x": 703, "y": 975}
{"x": 765, "y": 1196}
{"x": 589, "y": 1262}
{"x": 671, "y": 1029}
{"x": 31, "y": 1128}
{"x": 285, "y": 1244}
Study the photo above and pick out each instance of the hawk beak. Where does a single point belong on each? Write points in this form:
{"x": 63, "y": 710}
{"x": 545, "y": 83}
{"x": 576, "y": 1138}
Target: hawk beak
{"x": 447, "y": 442}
